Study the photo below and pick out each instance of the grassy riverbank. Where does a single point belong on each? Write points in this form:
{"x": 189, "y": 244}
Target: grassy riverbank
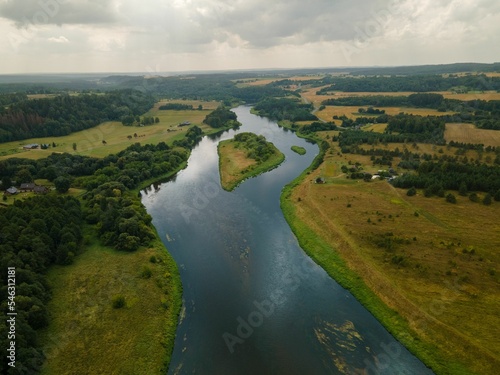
{"x": 87, "y": 335}
{"x": 246, "y": 156}
{"x": 423, "y": 286}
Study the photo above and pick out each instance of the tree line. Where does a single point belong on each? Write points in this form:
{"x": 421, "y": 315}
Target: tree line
{"x": 450, "y": 176}
{"x": 412, "y": 83}
{"x": 222, "y": 117}
{"x": 285, "y": 109}
{"x": 65, "y": 114}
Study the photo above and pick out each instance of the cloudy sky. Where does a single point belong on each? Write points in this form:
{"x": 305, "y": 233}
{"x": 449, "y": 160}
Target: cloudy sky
{"x": 180, "y": 35}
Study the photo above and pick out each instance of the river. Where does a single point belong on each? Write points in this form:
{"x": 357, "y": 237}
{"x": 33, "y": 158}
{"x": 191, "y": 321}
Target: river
{"x": 254, "y": 302}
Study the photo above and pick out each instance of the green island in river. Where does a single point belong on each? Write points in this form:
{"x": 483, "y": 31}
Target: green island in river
{"x": 299, "y": 150}
{"x": 246, "y": 155}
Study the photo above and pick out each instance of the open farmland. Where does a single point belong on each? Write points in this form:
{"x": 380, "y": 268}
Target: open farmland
{"x": 468, "y": 133}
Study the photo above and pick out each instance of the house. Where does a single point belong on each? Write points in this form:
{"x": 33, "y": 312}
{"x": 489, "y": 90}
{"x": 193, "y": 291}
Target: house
{"x": 28, "y": 186}
{"x": 40, "y": 190}
{"x": 185, "y": 123}
{"x": 11, "y": 191}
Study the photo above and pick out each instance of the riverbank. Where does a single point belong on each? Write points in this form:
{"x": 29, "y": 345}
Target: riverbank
{"x": 88, "y": 335}
{"x": 235, "y": 164}
{"x": 335, "y": 224}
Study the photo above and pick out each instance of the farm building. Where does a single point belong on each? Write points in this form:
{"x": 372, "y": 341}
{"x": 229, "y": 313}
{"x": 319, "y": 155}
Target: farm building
{"x": 31, "y": 146}
{"x": 28, "y": 186}
{"x": 40, "y": 190}
{"x": 11, "y": 191}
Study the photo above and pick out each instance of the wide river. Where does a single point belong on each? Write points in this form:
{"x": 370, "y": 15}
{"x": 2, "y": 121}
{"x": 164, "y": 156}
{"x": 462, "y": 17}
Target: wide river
{"x": 254, "y": 302}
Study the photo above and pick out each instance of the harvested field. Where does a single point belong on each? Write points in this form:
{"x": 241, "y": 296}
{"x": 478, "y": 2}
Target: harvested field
{"x": 468, "y": 133}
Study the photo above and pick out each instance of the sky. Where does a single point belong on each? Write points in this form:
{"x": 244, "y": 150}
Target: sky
{"x": 153, "y": 36}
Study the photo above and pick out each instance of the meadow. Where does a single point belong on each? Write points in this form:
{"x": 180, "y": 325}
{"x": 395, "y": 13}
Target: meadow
{"x": 88, "y": 334}
{"x": 115, "y": 135}
{"x": 468, "y": 133}
{"x": 430, "y": 261}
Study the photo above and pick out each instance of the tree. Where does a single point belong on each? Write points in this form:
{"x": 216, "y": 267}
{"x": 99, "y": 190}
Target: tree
{"x": 53, "y": 144}
{"x": 6, "y": 182}
{"x": 411, "y": 191}
{"x": 24, "y": 176}
{"x": 487, "y": 199}
{"x": 462, "y": 190}
{"x": 157, "y": 120}
{"x": 62, "y": 184}
{"x": 74, "y": 146}
{"x": 497, "y": 196}
{"x": 473, "y": 197}
{"x": 450, "y": 198}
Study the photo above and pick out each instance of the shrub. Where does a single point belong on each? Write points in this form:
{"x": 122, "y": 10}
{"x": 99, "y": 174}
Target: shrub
{"x": 487, "y": 199}
{"x": 411, "y": 192}
{"x": 146, "y": 272}
{"x": 118, "y": 301}
{"x": 473, "y": 197}
{"x": 450, "y": 198}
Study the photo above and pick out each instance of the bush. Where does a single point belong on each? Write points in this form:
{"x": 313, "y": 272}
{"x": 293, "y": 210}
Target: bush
{"x": 487, "y": 199}
{"x": 473, "y": 197}
{"x": 411, "y": 192}
{"x": 146, "y": 272}
{"x": 118, "y": 301}
{"x": 450, "y": 198}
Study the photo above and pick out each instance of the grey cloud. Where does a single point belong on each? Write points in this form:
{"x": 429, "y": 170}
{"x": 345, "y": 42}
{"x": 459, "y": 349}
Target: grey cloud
{"x": 58, "y": 12}
{"x": 263, "y": 23}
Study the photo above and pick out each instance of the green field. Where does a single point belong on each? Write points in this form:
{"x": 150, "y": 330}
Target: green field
{"x": 87, "y": 335}
{"x": 89, "y": 142}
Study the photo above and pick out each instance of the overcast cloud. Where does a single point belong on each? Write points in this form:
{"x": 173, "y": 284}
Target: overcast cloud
{"x": 175, "y": 35}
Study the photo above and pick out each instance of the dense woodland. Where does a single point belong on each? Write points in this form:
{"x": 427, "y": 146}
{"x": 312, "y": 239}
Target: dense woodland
{"x": 222, "y": 117}
{"x": 285, "y": 109}
{"x": 422, "y": 83}
{"x": 256, "y": 145}
{"x": 439, "y": 176}
{"x": 34, "y": 234}
{"x": 64, "y": 114}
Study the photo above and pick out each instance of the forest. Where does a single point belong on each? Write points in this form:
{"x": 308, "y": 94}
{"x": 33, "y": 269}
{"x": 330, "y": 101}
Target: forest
{"x": 222, "y": 117}
{"x": 35, "y": 234}
{"x": 285, "y": 109}
{"x": 421, "y": 83}
{"x": 65, "y": 114}
{"x": 256, "y": 145}
{"x": 439, "y": 176}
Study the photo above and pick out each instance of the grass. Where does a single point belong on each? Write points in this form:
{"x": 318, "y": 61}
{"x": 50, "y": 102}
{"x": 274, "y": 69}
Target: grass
{"x": 235, "y": 166}
{"x": 89, "y": 142}
{"x": 299, "y": 150}
{"x": 468, "y": 133}
{"x": 107, "y": 318}
{"x": 425, "y": 268}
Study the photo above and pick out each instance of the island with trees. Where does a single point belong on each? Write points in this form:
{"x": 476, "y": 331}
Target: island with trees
{"x": 246, "y": 155}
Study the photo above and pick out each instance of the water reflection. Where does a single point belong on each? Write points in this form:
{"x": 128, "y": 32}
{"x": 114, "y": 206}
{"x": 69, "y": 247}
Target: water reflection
{"x": 254, "y": 303}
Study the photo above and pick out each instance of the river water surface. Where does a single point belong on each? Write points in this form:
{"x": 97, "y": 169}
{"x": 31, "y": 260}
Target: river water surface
{"x": 254, "y": 302}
